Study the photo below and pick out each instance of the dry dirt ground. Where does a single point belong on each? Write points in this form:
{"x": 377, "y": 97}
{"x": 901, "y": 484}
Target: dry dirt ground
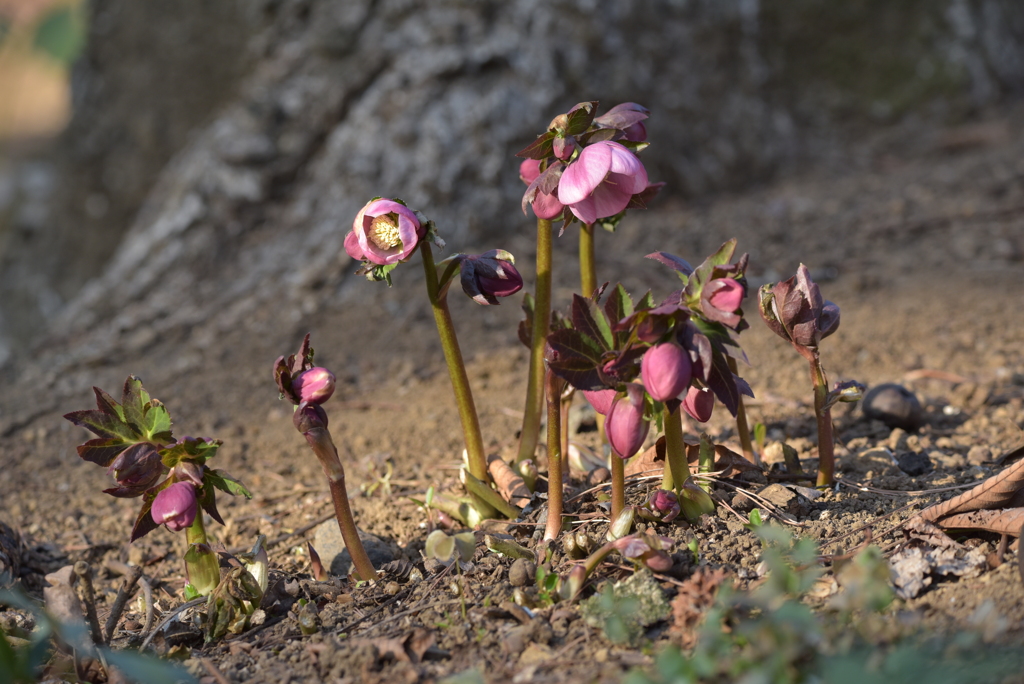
{"x": 924, "y": 255}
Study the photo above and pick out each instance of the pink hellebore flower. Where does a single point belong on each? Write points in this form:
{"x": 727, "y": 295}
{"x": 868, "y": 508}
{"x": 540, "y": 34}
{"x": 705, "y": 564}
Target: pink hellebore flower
{"x": 627, "y": 117}
{"x": 699, "y": 403}
{"x": 601, "y": 181}
{"x": 315, "y": 385}
{"x": 545, "y": 206}
{"x": 387, "y": 232}
{"x": 625, "y": 427}
{"x": 720, "y": 299}
{"x": 175, "y": 506}
{"x": 490, "y": 275}
{"x": 666, "y": 371}
{"x": 601, "y": 400}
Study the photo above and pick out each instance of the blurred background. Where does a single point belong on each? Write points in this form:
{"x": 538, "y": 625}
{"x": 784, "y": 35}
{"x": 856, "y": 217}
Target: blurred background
{"x": 165, "y": 160}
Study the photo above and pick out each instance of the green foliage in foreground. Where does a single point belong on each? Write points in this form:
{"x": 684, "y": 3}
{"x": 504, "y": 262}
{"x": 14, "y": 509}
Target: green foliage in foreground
{"x": 768, "y": 636}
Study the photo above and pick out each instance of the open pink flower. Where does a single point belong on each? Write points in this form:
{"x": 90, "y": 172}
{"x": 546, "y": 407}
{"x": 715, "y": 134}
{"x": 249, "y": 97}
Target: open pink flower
{"x": 545, "y": 206}
{"x": 175, "y": 506}
{"x": 386, "y": 232}
{"x": 601, "y": 181}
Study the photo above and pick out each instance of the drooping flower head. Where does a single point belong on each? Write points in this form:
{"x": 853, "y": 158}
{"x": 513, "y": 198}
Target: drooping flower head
{"x": 386, "y": 232}
{"x": 175, "y": 506}
{"x": 627, "y": 117}
{"x": 626, "y": 427}
{"x": 699, "y": 403}
{"x": 795, "y": 310}
{"x": 545, "y": 204}
{"x": 666, "y": 370}
{"x": 601, "y": 181}
{"x": 490, "y": 275}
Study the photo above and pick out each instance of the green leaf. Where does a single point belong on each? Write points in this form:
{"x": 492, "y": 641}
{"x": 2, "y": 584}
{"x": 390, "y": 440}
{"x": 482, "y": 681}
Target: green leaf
{"x": 580, "y": 117}
{"x": 61, "y": 34}
{"x": 102, "y": 452}
{"x": 195, "y": 449}
{"x": 142, "y": 668}
{"x": 591, "y": 322}
{"x": 541, "y": 148}
{"x": 133, "y": 403}
{"x": 575, "y": 358}
{"x": 224, "y": 482}
{"x": 157, "y": 422}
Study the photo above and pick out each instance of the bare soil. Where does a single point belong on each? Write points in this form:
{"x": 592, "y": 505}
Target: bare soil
{"x": 924, "y": 255}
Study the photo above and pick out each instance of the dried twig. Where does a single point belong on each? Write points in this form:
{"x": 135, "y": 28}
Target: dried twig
{"x": 213, "y": 671}
{"x": 170, "y": 616}
{"x": 147, "y": 592}
{"x": 123, "y": 594}
{"x": 84, "y": 573}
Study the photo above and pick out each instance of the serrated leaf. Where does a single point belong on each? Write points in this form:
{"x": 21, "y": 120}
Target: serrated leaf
{"x": 144, "y": 523}
{"x": 646, "y": 302}
{"x": 103, "y": 424}
{"x": 102, "y": 452}
{"x": 722, "y": 382}
{"x": 157, "y": 422}
{"x": 618, "y": 306}
{"x": 591, "y": 322}
{"x": 541, "y": 148}
{"x": 195, "y": 449}
{"x": 579, "y": 118}
{"x": 680, "y": 266}
{"x": 208, "y": 502}
{"x": 224, "y": 482}
{"x": 133, "y": 403}
{"x": 574, "y": 358}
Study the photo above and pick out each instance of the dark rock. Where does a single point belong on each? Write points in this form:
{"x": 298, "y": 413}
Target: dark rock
{"x": 894, "y": 405}
{"x": 914, "y": 463}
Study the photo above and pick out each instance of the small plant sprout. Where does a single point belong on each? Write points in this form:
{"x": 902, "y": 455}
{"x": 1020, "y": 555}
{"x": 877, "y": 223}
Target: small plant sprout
{"x": 795, "y": 311}
{"x": 134, "y": 442}
{"x": 384, "y": 234}
{"x": 583, "y": 168}
{"x": 310, "y": 420}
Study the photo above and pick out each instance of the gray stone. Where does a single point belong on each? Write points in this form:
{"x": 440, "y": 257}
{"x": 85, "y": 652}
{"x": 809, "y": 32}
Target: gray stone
{"x": 522, "y": 573}
{"x": 894, "y": 405}
{"x": 336, "y": 558}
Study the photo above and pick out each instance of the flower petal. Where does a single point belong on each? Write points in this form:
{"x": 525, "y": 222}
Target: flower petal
{"x": 584, "y": 175}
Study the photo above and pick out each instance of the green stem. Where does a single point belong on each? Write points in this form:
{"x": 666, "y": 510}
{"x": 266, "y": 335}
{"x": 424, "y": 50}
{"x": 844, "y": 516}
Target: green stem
{"x": 530, "y": 432}
{"x": 456, "y": 368}
{"x": 320, "y": 441}
{"x": 677, "y": 468}
{"x": 618, "y": 485}
{"x": 201, "y": 564}
{"x": 588, "y": 272}
{"x": 741, "y": 423}
{"x": 553, "y": 389}
{"x": 826, "y": 453}
{"x": 705, "y": 460}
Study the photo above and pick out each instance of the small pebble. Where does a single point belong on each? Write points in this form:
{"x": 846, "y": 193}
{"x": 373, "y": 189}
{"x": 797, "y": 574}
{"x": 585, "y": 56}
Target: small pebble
{"x": 914, "y": 463}
{"x": 894, "y": 405}
{"x": 522, "y": 573}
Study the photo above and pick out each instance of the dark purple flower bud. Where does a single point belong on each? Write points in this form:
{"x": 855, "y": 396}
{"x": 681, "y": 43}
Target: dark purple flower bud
{"x": 309, "y": 416}
{"x": 699, "y": 403}
{"x": 490, "y": 275}
{"x": 666, "y": 371}
{"x": 649, "y": 549}
{"x": 175, "y": 506}
{"x": 795, "y": 310}
{"x": 625, "y": 427}
{"x": 315, "y": 385}
{"x": 136, "y": 469}
{"x": 601, "y": 400}
{"x": 665, "y": 504}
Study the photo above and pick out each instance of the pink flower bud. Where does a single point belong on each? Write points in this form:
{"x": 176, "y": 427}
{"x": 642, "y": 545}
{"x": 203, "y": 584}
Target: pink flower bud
{"x": 601, "y": 400}
{"x": 699, "y": 404}
{"x": 625, "y": 427}
{"x": 666, "y": 371}
{"x": 315, "y": 385}
{"x": 665, "y": 504}
{"x": 175, "y": 506}
{"x": 726, "y": 294}
{"x": 490, "y": 275}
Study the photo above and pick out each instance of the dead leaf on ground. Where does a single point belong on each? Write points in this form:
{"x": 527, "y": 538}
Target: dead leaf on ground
{"x": 652, "y": 461}
{"x": 914, "y": 568}
{"x": 1008, "y": 521}
{"x": 695, "y": 597}
{"x": 649, "y": 462}
{"x": 998, "y": 491}
{"x": 409, "y": 648}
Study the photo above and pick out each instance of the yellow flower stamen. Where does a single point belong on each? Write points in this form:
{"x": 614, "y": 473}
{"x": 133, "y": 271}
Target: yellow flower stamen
{"x": 384, "y": 232}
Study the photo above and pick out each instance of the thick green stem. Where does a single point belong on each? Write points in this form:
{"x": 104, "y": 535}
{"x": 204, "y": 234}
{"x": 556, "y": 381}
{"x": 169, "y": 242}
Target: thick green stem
{"x": 618, "y": 485}
{"x": 201, "y": 564}
{"x": 705, "y": 459}
{"x": 541, "y": 314}
{"x": 826, "y": 452}
{"x": 741, "y": 423}
{"x": 323, "y": 446}
{"x": 677, "y": 469}
{"x": 553, "y": 389}
{"x": 456, "y": 369}
{"x": 588, "y": 271}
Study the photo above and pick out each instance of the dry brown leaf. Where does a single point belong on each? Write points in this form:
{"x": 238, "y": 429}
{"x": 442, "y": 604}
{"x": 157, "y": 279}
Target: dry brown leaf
{"x": 1007, "y": 521}
{"x": 995, "y": 492}
{"x": 727, "y": 461}
{"x": 509, "y": 484}
{"x": 409, "y": 648}
{"x": 696, "y": 595}
{"x": 649, "y": 462}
